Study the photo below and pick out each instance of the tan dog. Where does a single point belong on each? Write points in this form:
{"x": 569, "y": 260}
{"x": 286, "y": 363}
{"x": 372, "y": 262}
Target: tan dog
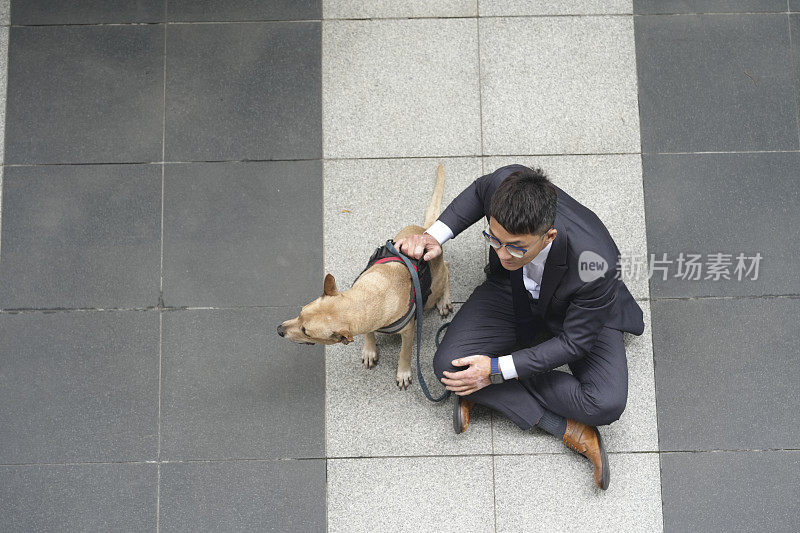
{"x": 378, "y": 297}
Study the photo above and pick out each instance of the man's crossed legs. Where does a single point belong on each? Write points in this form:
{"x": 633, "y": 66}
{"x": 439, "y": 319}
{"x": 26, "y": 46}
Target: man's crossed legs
{"x": 594, "y": 394}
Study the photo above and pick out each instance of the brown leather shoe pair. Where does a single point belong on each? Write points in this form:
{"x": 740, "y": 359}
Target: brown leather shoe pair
{"x": 586, "y": 441}
{"x": 580, "y": 437}
{"x": 461, "y": 414}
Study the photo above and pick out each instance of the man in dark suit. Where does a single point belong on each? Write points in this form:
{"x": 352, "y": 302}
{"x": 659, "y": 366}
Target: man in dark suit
{"x": 552, "y": 296}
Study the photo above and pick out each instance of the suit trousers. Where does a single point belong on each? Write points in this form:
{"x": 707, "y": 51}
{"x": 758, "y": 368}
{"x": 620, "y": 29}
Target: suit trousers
{"x": 595, "y": 393}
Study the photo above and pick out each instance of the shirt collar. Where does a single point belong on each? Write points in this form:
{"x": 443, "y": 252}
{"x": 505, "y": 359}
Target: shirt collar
{"x": 541, "y": 257}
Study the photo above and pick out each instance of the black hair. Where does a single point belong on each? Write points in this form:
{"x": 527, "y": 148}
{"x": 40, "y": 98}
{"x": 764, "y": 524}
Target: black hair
{"x": 525, "y": 202}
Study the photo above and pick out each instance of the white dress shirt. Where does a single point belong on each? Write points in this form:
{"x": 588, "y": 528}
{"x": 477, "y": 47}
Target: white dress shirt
{"x": 531, "y": 276}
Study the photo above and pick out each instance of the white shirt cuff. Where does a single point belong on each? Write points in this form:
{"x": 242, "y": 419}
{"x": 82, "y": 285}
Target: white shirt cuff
{"x": 440, "y": 232}
{"x": 507, "y": 368}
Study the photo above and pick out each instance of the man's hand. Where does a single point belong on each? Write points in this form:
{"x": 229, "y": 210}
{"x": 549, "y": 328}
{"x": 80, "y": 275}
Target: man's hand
{"x": 473, "y": 378}
{"x": 415, "y": 245}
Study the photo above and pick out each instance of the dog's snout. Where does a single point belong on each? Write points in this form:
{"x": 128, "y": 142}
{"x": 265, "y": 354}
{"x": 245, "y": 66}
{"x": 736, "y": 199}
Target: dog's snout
{"x": 281, "y": 330}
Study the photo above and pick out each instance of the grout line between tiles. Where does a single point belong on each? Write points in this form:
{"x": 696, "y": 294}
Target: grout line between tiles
{"x": 364, "y": 457}
{"x": 483, "y": 164}
{"x": 16, "y": 311}
{"x": 19, "y": 311}
{"x": 372, "y": 19}
{"x": 324, "y": 254}
{"x": 649, "y": 293}
{"x": 384, "y": 157}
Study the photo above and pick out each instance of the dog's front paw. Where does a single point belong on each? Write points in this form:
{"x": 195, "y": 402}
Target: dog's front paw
{"x": 369, "y": 357}
{"x": 403, "y": 378}
{"x": 445, "y": 307}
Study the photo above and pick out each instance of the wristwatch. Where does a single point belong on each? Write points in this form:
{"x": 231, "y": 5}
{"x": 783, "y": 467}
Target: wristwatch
{"x": 496, "y": 376}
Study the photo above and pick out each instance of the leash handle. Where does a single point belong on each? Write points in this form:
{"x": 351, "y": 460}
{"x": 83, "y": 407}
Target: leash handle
{"x": 418, "y": 299}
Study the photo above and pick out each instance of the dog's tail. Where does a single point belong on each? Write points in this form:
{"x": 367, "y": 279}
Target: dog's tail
{"x": 435, "y": 206}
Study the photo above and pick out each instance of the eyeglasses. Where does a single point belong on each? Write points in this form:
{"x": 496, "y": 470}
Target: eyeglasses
{"x": 515, "y": 251}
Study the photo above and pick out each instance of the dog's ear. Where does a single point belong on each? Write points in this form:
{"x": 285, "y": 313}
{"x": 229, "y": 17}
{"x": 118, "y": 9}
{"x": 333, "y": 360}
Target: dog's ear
{"x": 344, "y": 336}
{"x": 329, "y": 288}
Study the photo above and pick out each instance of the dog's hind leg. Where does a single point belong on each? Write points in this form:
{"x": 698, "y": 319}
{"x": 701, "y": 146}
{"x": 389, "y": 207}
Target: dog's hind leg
{"x": 445, "y": 305}
{"x": 369, "y": 353}
{"x": 404, "y": 361}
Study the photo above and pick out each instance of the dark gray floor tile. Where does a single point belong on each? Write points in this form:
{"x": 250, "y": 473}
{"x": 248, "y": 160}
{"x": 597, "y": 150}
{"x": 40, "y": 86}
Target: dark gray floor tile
{"x": 707, "y": 204}
{"x": 219, "y": 10}
{"x": 81, "y": 236}
{"x": 243, "y": 91}
{"x": 731, "y": 491}
{"x": 715, "y": 83}
{"x": 78, "y": 386}
{"x": 708, "y": 6}
{"x": 85, "y": 94}
{"x": 243, "y": 233}
{"x": 243, "y": 496}
{"x": 86, "y": 11}
{"x": 794, "y": 23}
{"x": 794, "y": 5}
{"x": 86, "y": 497}
{"x": 726, "y": 373}
{"x": 233, "y": 389}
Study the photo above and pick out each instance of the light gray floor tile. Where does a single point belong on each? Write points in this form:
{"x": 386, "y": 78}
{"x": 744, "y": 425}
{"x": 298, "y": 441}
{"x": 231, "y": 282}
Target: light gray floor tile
{"x": 635, "y": 430}
{"x": 368, "y": 416}
{"x": 609, "y": 185}
{"x": 559, "y": 85}
{"x": 411, "y": 494}
{"x": 557, "y": 493}
{"x": 368, "y": 202}
{"x": 5, "y": 12}
{"x": 553, "y": 7}
{"x": 400, "y": 88}
{"x": 398, "y": 8}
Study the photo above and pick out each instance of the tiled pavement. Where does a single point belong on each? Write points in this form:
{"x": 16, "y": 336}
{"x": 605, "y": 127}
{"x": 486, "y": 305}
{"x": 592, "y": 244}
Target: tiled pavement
{"x": 178, "y": 177}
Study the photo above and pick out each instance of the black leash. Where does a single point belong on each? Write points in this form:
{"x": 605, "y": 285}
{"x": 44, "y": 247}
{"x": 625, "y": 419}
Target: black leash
{"x": 418, "y": 300}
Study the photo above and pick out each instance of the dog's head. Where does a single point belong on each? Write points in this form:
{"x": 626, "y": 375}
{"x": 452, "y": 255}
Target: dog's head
{"x": 322, "y": 321}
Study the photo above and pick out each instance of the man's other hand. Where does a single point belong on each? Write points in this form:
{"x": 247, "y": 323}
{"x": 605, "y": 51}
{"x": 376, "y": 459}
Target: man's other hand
{"x": 473, "y": 378}
{"x": 415, "y": 245}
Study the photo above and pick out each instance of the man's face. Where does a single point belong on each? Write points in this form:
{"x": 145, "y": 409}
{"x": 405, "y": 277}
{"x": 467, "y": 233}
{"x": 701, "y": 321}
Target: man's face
{"x": 532, "y": 243}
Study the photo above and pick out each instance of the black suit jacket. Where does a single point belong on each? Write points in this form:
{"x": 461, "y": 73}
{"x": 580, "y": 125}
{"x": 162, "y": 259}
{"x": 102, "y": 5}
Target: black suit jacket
{"x": 574, "y": 310}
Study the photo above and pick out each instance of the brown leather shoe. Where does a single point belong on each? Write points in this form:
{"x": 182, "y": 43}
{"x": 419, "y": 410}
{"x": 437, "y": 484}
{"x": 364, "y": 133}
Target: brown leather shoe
{"x": 586, "y": 441}
{"x": 461, "y": 414}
